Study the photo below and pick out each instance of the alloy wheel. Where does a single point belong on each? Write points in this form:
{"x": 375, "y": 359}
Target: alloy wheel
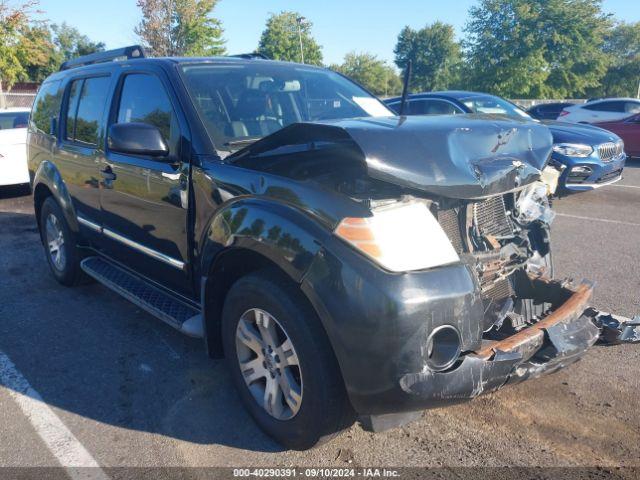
{"x": 55, "y": 242}
{"x": 269, "y": 364}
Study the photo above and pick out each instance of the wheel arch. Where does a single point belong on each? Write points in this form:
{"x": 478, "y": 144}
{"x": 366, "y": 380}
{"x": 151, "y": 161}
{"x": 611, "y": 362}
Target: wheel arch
{"x": 248, "y": 235}
{"x": 48, "y": 182}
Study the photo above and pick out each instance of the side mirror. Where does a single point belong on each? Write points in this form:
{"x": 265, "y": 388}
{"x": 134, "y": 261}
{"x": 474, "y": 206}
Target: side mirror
{"x": 137, "y": 139}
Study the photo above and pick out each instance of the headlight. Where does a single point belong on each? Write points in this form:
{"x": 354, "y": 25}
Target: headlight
{"x": 400, "y": 237}
{"x": 573, "y": 149}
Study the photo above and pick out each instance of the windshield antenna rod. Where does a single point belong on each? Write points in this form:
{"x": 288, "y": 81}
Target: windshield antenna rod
{"x": 405, "y": 87}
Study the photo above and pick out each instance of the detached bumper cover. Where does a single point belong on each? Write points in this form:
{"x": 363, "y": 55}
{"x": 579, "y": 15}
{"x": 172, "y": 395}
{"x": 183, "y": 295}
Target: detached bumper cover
{"x": 553, "y": 343}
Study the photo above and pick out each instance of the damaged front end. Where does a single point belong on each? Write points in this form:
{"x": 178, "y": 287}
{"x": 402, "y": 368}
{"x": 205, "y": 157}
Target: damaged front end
{"x": 485, "y": 313}
{"x": 533, "y": 324}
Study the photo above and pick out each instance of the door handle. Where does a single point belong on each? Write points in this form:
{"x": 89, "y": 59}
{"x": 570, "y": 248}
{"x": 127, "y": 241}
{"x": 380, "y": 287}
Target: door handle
{"x": 108, "y": 174}
{"x": 171, "y": 176}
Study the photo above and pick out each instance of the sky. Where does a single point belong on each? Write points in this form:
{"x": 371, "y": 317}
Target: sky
{"x": 340, "y": 26}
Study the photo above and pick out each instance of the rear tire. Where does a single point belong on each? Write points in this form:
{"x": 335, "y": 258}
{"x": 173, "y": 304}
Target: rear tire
{"x": 295, "y": 350}
{"x": 59, "y": 244}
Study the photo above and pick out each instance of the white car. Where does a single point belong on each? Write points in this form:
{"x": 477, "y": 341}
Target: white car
{"x": 13, "y": 146}
{"x": 602, "y": 110}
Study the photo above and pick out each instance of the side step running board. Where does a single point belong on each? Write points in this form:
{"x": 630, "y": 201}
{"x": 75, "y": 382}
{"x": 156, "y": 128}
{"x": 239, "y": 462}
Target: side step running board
{"x": 166, "y": 307}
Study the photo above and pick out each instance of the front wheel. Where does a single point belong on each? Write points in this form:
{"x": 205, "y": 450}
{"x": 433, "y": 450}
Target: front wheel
{"x": 282, "y": 363}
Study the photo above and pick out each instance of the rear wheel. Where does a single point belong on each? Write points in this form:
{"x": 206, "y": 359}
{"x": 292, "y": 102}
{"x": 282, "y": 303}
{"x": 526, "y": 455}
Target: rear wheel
{"x": 59, "y": 244}
{"x": 282, "y": 363}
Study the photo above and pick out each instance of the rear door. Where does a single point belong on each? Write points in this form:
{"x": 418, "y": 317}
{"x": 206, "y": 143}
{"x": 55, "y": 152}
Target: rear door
{"x": 81, "y": 147}
{"x": 145, "y": 200}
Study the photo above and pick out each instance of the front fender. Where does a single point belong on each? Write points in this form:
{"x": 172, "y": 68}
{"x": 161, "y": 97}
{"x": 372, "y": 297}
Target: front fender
{"x": 282, "y": 233}
{"x": 48, "y": 175}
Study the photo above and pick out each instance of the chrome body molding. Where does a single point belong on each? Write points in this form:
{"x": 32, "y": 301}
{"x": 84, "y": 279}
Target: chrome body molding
{"x": 146, "y": 250}
{"x": 130, "y": 243}
{"x": 89, "y": 224}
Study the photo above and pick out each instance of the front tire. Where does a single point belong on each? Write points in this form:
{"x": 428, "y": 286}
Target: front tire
{"x": 282, "y": 363}
{"x": 59, "y": 244}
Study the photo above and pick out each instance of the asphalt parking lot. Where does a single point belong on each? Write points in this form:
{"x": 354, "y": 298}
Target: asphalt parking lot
{"x": 131, "y": 391}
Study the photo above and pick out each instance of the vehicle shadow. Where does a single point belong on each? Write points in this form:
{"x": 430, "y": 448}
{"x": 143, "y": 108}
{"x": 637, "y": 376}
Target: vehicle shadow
{"x": 89, "y": 352}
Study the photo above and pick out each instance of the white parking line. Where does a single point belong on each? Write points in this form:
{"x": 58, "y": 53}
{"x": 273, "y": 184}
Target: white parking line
{"x": 624, "y": 186}
{"x": 79, "y": 463}
{"x": 592, "y": 219}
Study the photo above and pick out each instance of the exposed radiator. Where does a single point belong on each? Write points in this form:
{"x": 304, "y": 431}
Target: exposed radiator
{"x": 490, "y": 217}
{"x": 449, "y": 221}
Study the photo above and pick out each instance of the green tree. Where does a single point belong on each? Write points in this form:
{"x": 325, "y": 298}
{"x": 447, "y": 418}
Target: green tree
{"x": 180, "y": 28}
{"x": 434, "y": 53}
{"x": 281, "y": 39}
{"x": 70, "y": 43}
{"x": 36, "y": 53}
{"x": 14, "y": 19}
{"x": 370, "y": 72}
{"x": 622, "y": 46}
{"x": 536, "y": 48}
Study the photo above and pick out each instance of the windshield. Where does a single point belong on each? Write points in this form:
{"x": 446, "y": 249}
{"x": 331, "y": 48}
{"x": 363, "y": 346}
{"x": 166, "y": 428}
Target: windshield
{"x": 494, "y": 106}
{"x": 239, "y": 103}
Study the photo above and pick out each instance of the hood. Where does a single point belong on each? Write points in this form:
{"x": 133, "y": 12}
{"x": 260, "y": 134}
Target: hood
{"x": 564, "y": 132}
{"x": 458, "y": 156}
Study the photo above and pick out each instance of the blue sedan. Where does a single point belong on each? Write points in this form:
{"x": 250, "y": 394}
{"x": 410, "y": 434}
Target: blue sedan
{"x": 589, "y": 157}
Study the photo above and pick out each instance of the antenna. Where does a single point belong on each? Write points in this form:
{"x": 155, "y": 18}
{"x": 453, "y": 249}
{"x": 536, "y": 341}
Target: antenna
{"x": 405, "y": 87}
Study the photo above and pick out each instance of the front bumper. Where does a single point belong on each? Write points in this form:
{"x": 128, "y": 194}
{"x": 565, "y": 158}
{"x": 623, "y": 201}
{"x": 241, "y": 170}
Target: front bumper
{"x": 553, "y": 343}
{"x": 378, "y": 324}
{"x": 602, "y": 173}
{"x": 547, "y": 346}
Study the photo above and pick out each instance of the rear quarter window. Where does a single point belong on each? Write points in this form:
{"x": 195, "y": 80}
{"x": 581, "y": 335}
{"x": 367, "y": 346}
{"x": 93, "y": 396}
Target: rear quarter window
{"x": 46, "y": 107}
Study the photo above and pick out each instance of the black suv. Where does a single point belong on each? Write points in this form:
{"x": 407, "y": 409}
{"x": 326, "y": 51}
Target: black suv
{"x": 347, "y": 262}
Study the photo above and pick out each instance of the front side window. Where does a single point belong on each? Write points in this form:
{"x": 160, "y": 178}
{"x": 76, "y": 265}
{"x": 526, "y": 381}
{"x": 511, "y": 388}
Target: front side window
{"x": 144, "y": 100}
{"x": 489, "y": 104}
{"x": 46, "y": 106}
{"x": 632, "y": 107}
{"x": 239, "y": 102}
{"x": 85, "y": 109}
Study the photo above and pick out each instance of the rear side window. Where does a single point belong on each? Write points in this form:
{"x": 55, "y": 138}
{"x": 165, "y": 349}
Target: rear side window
{"x": 144, "y": 100}
{"x": 13, "y": 120}
{"x": 432, "y": 107}
{"x": 46, "y": 107}
{"x": 606, "y": 107}
{"x": 87, "y": 99}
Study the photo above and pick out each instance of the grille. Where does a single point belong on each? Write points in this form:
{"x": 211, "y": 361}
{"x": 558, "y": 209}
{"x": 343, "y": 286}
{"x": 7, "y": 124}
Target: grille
{"x": 448, "y": 220}
{"x": 490, "y": 217}
{"x": 609, "y": 151}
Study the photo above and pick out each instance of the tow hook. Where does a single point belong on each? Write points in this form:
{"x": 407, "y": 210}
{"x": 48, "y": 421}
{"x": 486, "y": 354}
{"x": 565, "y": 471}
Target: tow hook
{"x": 615, "y": 329}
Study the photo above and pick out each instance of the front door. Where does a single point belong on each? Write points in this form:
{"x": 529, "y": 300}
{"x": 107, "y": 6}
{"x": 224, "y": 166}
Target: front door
{"x": 145, "y": 199}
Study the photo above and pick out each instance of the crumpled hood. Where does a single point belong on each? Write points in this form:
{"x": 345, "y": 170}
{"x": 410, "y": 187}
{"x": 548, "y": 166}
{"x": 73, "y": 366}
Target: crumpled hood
{"x": 564, "y": 132}
{"x": 457, "y": 156}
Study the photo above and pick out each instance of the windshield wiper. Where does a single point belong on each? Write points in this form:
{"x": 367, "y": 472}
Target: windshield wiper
{"x": 241, "y": 142}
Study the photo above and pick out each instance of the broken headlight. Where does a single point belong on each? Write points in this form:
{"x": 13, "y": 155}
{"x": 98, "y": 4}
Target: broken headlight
{"x": 533, "y": 204}
{"x": 400, "y": 237}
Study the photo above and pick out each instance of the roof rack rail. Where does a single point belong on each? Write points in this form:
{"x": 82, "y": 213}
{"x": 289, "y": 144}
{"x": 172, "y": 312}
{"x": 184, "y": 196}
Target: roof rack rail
{"x": 126, "y": 53}
{"x": 252, "y": 55}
